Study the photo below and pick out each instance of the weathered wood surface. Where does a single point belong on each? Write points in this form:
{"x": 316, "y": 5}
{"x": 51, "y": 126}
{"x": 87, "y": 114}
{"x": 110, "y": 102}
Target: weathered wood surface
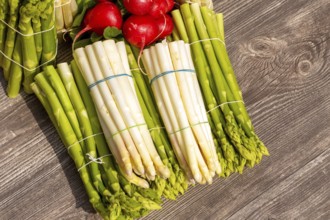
{"x": 280, "y": 52}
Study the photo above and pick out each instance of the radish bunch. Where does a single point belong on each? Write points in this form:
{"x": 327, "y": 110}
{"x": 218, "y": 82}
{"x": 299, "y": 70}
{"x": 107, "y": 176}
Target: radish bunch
{"x": 104, "y": 14}
{"x": 148, "y": 21}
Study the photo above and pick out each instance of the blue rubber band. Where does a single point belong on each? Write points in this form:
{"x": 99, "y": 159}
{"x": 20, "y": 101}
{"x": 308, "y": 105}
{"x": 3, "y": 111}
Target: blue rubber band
{"x": 107, "y": 78}
{"x": 170, "y": 72}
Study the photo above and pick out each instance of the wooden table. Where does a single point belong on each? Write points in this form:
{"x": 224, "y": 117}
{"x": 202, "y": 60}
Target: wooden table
{"x": 280, "y": 52}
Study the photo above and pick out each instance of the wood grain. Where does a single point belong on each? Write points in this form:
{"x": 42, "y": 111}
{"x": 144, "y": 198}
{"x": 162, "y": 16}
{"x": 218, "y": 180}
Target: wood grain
{"x": 280, "y": 51}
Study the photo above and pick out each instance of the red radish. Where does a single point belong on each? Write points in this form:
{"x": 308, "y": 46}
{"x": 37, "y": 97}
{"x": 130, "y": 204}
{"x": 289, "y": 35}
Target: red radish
{"x": 170, "y": 5}
{"x": 102, "y": 15}
{"x": 165, "y": 26}
{"x": 138, "y": 7}
{"x": 161, "y": 7}
{"x": 140, "y": 30}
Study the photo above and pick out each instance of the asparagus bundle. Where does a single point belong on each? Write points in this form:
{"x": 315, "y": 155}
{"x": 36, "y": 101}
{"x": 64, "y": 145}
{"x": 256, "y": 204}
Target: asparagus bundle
{"x": 238, "y": 144}
{"x": 119, "y": 111}
{"x": 177, "y": 182}
{"x": 65, "y": 12}
{"x": 28, "y": 41}
{"x": 65, "y": 97}
{"x": 175, "y": 86}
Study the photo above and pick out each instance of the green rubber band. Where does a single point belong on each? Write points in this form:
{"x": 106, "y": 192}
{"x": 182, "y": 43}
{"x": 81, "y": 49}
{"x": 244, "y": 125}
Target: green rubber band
{"x": 181, "y": 129}
{"x": 126, "y": 129}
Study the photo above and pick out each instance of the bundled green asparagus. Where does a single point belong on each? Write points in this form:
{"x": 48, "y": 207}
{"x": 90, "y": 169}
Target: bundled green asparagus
{"x": 233, "y": 130}
{"x": 28, "y": 41}
{"x": 66, "y": 98}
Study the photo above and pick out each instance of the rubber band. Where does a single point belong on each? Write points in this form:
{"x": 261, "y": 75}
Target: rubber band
{"x": 135, "y": 69}
{"x": 156, "y": 128}
{"x": 107, "y": 78}
{"x": 195, "y": 42}
{"x": 190, "y": 126}
{"x": 35, "y": 68}
{"x": 94, "y": 160}
{"x": 68, "y": 148}
{"x": 225, "y": 103}
{"x": 27, "y": 35}
{"x": 170, "y": 72}
{"x": 128, "y": 128}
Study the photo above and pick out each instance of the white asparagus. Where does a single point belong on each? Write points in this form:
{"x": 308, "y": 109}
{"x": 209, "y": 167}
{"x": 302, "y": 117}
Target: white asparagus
{"x": 67, "y": 13}
{"x": 117, "y": 62}
{"x": 163, "y": 109}
{"x": 113, "y": 109}
{"x": 207, "y": 127}
{"x": 190, "y": 102}
{"x": 131, "y": 178}
{"x": 164, "y": 59}
{"x": 123, "y": 55}
{"x": 59, "y": 20}
{"x": 202, "y": 166}
{"x": 74, "y": 8}
{"x": 105, "y": 117}
{"x": 131, "y": 126}
{"x": 164, "y": 100}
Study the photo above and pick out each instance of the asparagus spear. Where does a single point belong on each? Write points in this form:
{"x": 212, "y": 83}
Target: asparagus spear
{"x": 29, "y": 53}
{"x": 36, "y": 25}
{"x": 49, "y": 40}
{"x": 3, "y": 27}
{"x": 10, "y": 36}
{"x": 16, "y": 71}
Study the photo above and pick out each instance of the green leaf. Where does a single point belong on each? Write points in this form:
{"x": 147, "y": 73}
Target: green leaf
{"x": 111, "y": 32}
{"x": 95, "y": 37}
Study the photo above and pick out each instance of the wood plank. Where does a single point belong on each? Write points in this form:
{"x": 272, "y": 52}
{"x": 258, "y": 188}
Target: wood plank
{"x": 280, "y": 52}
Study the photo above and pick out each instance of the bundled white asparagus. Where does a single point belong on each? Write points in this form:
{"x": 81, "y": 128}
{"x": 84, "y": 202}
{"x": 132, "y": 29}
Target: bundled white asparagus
{"x": 65, "y": 11}
{"x": 105, "y": 70}
{"x": 179, "y": 99}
